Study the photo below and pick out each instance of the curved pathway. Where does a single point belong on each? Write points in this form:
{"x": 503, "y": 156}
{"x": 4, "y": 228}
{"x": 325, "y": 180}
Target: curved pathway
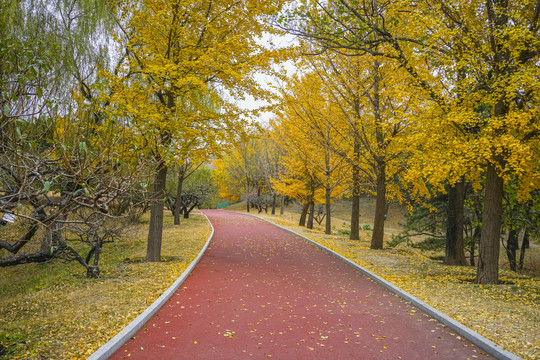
{"x": 261, "y": 292}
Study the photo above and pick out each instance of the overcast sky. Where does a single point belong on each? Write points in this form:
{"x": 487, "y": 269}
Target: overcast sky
{"x": 250, "y": 103}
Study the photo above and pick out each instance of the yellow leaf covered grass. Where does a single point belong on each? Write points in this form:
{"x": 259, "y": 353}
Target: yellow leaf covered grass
{"x": 52, "y": 311}
{"x": 507, "y": 314}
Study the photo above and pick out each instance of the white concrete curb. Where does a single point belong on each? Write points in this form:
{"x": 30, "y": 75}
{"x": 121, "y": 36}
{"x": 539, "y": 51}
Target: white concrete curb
{"x": 125, "y": 334}
{"x": 485, "y": 344}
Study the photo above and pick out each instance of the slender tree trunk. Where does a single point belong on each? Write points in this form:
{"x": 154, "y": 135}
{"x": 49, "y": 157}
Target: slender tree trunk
{"x": 511, "y": 247}
{"x": 377, "y": 236}
{"x": 524, "y": 245}
{"x": 92, "y": 271}
{"x": 282, "y": 207}
{"x": 328, "y": 227}
{"x": 274, "y": 200}
{"x": 454, "y": 252}
{"x": 303, "y": 214}
{"x": 155, "y": 231}
{"x": 178, "y": 202}
{"x": 488, "y": 248}
{"x": 475, "y": 240}
{"x": 311, "y": 214}
{"x": 355, "y": 211}
{"x": 328, "y": 191}
{"x": 247, "y": 204}
{"x": 259, "y": 200}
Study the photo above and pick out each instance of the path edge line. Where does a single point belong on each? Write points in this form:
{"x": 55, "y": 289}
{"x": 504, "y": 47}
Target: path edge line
{"x": 479, "y": 340}
{"x": 126, "y": 333}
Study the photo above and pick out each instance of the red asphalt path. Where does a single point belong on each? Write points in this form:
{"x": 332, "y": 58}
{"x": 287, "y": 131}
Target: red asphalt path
{"x": 261, "y": 292}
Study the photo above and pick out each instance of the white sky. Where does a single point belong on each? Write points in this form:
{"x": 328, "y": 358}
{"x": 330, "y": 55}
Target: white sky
{"x": 266, "y": 80}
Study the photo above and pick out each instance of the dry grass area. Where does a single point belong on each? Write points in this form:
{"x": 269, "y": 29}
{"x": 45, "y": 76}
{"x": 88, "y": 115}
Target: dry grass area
{"x": 508, "y": 314}
{"x": 51, "y": 311}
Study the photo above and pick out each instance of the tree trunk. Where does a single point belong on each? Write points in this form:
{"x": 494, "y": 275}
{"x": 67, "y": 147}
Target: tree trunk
{"x": 303, "y": 214}
{"x": 475, "y": 240}
{"x": 488, "y": 248}
{"x": 247, "y": 204}
{"x": 274, "y": 200}
{"x": 511, "y": 247}
{"x": 355, "y": 211}
{"x": 524, "y": 245}
{"x": 92, "y": 272}
{"x": 282, "y": 207}
{"x": 155, "y": 231}
{"x": 311, "y": 214}
{"x": 377, "y": 236}
{"x": 178, "y": 202}
{"x": 187, "y": 210}
{"x": 328, "y": 227}
{"x": 454, "y": 253}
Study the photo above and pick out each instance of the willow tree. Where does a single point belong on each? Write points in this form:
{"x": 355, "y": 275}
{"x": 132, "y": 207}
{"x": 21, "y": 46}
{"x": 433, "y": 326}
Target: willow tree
{"x": 175, "y": 48}
{"x": 61, "y": 163}
{"x": 481, "y": 76}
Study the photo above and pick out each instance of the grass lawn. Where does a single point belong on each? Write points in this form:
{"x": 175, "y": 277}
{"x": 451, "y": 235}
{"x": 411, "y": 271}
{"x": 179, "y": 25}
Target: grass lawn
{"x": 51, "y": 311}
{"x": 507, "y": 314}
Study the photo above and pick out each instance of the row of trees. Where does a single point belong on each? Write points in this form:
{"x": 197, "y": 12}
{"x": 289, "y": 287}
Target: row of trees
{"x": 410, "y": 100}
{"x": 402, "y": 100}
{"x": 99, "y": 98}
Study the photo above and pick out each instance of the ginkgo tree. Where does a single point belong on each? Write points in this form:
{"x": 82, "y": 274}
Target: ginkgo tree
{"x": 175, "y": 48}
{"x": 477, "y": 63}
{"x": 306, "y": 133}
{"x": 372, "y": 128}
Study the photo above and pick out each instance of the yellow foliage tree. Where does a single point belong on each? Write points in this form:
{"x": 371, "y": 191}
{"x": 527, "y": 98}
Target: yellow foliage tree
{"x": 239, "y": 175}
{"x": 371, "y": 129}
{"x": 477, "y": 63}
{"x": 173, "y": 50}
{"x": 313, "y": 169}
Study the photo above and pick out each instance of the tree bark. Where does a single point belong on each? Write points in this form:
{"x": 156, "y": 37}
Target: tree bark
{"x": 282, "y": 207}
{"x": 328, "y": 227}
{"x": 155, "y": 231}
{"x": 524, "y": 245}
{"x": 511, "y": 247}
{"x": 274, "y": 200}
{"x": 178, "y": 202}
{"x": 355, "y": 211}
{"x": 488, "y": 248}
{"x": 377, "y": 237}
{"x": 311, "y": 214}
{"x": 22, "y": 241}
{"x": 475, "y": 240}
{"x": 454, "y": 253}
{"x": 188, "y": 210}
{"x": 26, "y": 259}
{"x": 303, "y": 214}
